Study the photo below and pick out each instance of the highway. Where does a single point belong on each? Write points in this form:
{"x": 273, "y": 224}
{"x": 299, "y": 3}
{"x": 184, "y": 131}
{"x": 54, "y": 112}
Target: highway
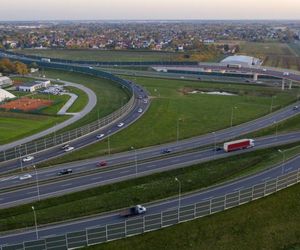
{"x": 153, "y": 208}
{"x": 63, "y": 185}
{"x": 153, "y": 165}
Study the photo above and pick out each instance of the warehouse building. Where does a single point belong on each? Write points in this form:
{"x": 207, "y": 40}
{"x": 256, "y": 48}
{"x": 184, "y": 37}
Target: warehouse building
{"x": 244, "y": 61}
{"x": 5, "y": 81}
{"x": 33, "y": 86}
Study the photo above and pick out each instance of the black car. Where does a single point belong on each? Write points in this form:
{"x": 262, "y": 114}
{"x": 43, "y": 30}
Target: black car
{"x": 65, "y": 171}
{"x": 166, "y": 151}
{"x": 218, "y": 149}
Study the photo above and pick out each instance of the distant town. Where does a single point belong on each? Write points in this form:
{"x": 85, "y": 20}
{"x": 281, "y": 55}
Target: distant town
{"x": 154, "y": 35}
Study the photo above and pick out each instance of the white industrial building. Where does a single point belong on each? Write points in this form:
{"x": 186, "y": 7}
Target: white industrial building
{"x": 5, "y": 81}
{"x": 244, "y": 61}
{"x": 5, "y": 95}
{"x": 33, "y": 86}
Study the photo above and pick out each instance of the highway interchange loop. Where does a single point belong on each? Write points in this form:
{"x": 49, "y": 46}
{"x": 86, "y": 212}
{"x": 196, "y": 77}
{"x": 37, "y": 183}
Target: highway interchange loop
{"x": 151, "y": 161}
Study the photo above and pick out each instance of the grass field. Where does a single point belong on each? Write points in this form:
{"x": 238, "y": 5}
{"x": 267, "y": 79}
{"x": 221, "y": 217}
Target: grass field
{"x": 80, "y": 102}
{"x": 280, "y": 55}
{"x": 15, "y": 126}
{"x": 110, "y": 96}
{"x": 207, "y": 54}
{"x": 269, "y": 223}
{"x": 196, "y": 114}
{"x": 142, "y": 190}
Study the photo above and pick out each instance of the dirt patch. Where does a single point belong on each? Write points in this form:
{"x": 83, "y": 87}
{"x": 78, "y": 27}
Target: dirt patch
{"x": 26, "y": 104}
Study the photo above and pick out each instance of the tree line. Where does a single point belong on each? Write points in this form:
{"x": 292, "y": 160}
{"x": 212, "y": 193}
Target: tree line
{"x": 16, "y": 67}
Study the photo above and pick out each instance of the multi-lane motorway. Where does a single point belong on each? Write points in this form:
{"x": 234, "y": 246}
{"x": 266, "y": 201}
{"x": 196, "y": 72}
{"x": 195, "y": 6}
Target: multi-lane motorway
{"x": 149, "y": 163}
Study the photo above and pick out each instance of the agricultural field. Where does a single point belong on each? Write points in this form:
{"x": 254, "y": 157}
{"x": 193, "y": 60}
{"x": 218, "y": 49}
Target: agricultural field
{"x": 280, "y": 55}
{"x": 207, "y": 54}
{"x": 195, "y": 114}
{"x": 14, "y": 126}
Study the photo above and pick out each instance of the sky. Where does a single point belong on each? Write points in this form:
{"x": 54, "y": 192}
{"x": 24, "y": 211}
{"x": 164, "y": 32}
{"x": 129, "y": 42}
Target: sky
{"x": 148, "y": 9}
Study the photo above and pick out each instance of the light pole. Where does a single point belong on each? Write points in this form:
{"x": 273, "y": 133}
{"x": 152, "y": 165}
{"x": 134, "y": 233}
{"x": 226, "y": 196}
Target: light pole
{"x": 35, "y": 221}
{"x": 272, "y": 101}
{"x": 276, "y": 128}
{"x": 21, "y": 161}
{"x": 37, "y": 182}
{"x": 135, "y": 160}
{"x": 283, "y": 160}
{"x": 215, "y": 144}
{"x": 108, "y": 142}
{"x": 231, "y": 120}
{"x": 179, "y": 191}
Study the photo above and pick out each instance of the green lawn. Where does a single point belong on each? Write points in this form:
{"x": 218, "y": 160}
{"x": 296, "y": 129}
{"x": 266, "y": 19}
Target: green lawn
{"x": 269, "y": 223}
{"x": 110, "y": 96}
{"x": 142, "y": 190}
{"x": 207, "y": 53}
{"x": 14, "y": 126}
{"x": 80, "y": 102}
{"x": 198, "y": 114}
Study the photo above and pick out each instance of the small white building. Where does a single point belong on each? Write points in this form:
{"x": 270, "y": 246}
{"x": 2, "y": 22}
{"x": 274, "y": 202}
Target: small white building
{"x": 33, "y": 86}
{"x": 5, "y": 81}
{"x": 5, "y": 95}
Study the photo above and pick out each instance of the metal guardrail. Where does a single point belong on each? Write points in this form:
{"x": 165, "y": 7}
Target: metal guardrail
{"x": 139, "y": 225}
{"x": 57, "y": 139}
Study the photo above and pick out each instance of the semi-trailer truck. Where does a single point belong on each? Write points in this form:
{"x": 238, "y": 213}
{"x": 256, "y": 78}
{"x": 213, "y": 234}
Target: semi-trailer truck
{"x": 136, "y": 210}
{"x": 239, "y": 144}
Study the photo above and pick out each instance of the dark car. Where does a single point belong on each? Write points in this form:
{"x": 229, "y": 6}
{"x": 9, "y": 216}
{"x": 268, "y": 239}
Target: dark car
{"x": 65, "y": 171}
{"x": 295, "y": 108}
{"x": 166, "y": 151}
{"x": 102, "y": 164}
{"x": 218, "y": 149}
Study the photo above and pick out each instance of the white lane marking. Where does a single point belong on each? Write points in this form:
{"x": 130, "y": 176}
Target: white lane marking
{"x": 65, "y": 185}
{"x": 32, "y": 192}
{"x": 150, "y": 166}
{"x": 238, "y": 189}
{"x": 208, "y": 198}
{"x": 125, "y": 172}
{"x": 97, "y": 178}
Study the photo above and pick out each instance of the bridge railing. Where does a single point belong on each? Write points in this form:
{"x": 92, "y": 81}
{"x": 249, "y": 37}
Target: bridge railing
{"x": 151, "y": 222}
{"x": 68, "y": 136}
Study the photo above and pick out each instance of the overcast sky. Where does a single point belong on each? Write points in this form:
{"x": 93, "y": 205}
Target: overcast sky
{"x": 148, "y": 9}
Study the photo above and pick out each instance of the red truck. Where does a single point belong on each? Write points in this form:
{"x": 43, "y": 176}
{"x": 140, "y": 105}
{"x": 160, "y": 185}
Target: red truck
{"x": 239, "y": 144}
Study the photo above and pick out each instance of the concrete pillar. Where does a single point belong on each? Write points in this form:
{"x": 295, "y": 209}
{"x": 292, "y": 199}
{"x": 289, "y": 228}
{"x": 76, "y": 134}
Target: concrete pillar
{"x": 290, "y": 84}
{"x": 283, "y": 84}
{"x": 255, "y": 77}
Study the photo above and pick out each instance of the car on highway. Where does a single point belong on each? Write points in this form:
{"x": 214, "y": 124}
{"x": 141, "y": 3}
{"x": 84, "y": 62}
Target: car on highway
{"x": 218, "y": 149}
{"x": 65, "y": 171}
{"x": 101, "y": 164}
{"x": 286, "y": 73}
{"x": 100, "y": 136}
{"x": 25, "y": 177}
{"x": 65, "y": 146}
{"x": 68, "y": 149}
{"x": 295, "y": 107}
{"x": 121, "y": 124}
{"x": 264, "y": 70}
{"x": 145, "y": 101}
{"x": 28, "y": 158}
{"x": 166, "y": 151}
{"x": 140, "y": 110}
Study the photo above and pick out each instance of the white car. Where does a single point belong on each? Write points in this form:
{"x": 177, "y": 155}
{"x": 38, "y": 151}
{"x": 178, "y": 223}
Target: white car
{"x": 140, "y": 110}
{"x": 145, "y": 101}
{"x": 264, "y": 70}
{"x": 286, "y": 73}
{"x": 99, "y": 136}
{"x": 25, "y": 177}
{"x": 69, "y": 149}
{"x": 121, "y": 124}
{"x": 28, "y": 158}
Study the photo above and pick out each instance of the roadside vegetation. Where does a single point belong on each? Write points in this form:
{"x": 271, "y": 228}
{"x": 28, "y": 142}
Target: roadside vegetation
{"x": 81, "y": 101}
{"x": 173, "y": 106}
{"x": 142, "y": 190}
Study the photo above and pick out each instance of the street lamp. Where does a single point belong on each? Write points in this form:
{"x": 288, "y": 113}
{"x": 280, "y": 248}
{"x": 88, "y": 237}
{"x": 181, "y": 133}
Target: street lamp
{"x": 179, "y": 191}
{"x": 135, "y": 159}
{"x": 272, "y": 101}
{"x": 283, "y": 160}
{"x": 276, "y": 128}
{"x": 37, "y": 182}
{"x": 35, "y": 221}
{"x": 231, "y": 121}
